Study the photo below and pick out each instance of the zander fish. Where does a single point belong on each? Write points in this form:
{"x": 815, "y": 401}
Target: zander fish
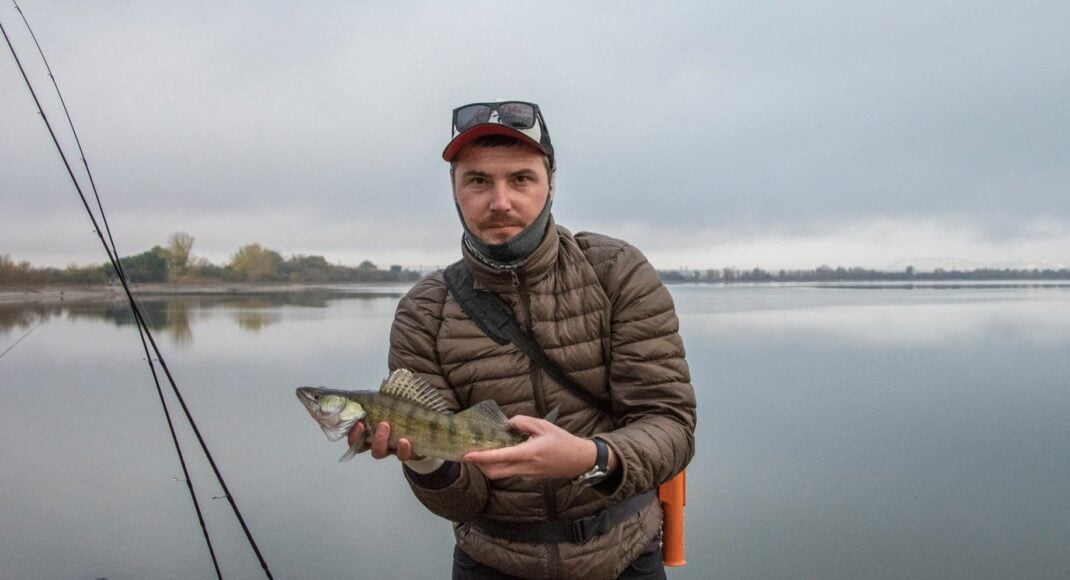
{"x": 415, "y": 411}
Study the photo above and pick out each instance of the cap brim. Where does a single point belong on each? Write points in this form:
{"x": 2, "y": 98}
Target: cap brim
{"x": 482, "y": 130}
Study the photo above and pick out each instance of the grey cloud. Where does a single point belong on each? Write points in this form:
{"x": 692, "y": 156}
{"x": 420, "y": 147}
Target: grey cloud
{"x": 749, "y": 115}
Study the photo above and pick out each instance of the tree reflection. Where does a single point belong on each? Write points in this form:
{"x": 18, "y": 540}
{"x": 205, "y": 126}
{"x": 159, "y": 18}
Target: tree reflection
{"x": 176, "y": 315}
{"x": 14, "y": 317}
{"x": 255, "y": 320}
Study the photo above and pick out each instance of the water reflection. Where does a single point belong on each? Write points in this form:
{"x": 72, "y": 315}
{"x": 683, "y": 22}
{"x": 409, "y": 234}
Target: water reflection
{"x": 934, "y": 326}
{"x": 842, "y": 434}
{"x": 255, "y": 321}
{"x": 14, "y": 317}
{"x": 881, "y": 316}
{"x": 176, "y": 315}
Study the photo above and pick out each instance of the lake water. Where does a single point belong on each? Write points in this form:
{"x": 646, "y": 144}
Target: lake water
{"x": 844, "y": 432}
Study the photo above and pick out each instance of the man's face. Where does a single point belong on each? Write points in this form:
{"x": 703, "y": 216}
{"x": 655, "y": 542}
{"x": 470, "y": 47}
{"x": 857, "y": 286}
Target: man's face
{"x": 500, "y": 190}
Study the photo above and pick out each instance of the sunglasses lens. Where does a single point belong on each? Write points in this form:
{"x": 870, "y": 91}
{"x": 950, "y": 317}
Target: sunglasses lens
{"x": 517, "y": 115}
{"x": 471, "y": 115}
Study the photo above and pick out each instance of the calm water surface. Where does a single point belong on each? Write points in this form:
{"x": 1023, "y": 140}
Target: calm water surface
{"x": 844, "y": 432}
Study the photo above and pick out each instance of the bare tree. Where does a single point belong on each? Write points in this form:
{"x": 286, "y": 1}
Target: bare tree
{"x": 177, "y": 253}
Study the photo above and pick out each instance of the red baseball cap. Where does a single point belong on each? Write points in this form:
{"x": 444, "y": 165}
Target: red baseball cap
{"x": 516, "y": 119}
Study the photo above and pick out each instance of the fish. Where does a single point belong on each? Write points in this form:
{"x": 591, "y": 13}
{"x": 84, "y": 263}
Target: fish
{"x": 415, "y": 411}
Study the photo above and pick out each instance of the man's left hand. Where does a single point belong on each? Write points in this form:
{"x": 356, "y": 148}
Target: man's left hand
{"x": 549, "y": 452}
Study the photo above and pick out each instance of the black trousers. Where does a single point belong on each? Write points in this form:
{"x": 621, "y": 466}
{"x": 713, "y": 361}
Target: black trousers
{"x": 646, "y": 567}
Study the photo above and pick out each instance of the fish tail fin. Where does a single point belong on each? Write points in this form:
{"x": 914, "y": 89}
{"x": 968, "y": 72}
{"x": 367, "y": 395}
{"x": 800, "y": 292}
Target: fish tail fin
{"x": 552, "y": 416}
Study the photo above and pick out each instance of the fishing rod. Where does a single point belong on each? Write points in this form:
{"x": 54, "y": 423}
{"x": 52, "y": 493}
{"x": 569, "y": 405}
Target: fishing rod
{"x": 144, "y": 331}
{"x": 22, "y": 338}
{"x": 116, "y": 263}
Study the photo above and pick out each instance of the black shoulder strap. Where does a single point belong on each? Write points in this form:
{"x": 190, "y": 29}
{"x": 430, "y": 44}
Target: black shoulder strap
{"x": 497, "y": 321}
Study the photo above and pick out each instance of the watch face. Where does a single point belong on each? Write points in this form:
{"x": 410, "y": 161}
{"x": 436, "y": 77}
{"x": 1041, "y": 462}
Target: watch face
{"x": 593, "y": 477}
{"x": 600, "y": 469}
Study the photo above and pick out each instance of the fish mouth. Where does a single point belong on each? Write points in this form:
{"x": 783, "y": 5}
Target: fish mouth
{"x": 310, "y": 398}
{"x": 328, "y": 418}
{"x": 307, "y": 397}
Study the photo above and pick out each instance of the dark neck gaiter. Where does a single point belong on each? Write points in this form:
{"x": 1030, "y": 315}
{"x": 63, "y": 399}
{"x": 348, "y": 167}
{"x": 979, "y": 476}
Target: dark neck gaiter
{"x": 511, "y": 254}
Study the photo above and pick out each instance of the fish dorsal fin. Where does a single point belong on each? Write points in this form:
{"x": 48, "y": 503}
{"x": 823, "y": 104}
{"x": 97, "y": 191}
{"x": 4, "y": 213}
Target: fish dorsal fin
{"x": 405, "y": 385}
{"x": 486, "y": 413}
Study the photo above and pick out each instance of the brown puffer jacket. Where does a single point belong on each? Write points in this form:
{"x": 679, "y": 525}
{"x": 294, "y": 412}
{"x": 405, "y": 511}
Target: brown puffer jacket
{"x": 600, "y": 312}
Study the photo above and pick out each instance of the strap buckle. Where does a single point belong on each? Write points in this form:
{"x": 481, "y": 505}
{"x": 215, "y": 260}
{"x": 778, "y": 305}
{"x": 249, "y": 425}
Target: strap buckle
{"x": 583, "y": 529}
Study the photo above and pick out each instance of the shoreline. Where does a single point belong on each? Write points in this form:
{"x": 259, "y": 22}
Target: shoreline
{"x": 40, "y": 293}
{"x": 56, "y": 293}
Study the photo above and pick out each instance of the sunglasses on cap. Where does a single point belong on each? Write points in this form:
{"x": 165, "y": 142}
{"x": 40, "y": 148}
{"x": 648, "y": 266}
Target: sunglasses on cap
{"x": 518, "y": 119}
{"x": 514, "y": 114}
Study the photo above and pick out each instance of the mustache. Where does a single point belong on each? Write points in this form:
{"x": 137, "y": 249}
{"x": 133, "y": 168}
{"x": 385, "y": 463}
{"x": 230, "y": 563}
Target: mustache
{"x": 501, "y": 222}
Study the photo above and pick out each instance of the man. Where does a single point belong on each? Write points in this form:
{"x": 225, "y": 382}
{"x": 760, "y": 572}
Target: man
{"x": 575, "y": 500}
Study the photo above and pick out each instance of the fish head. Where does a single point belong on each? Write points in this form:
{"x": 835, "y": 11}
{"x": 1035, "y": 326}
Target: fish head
{"x": 335, "y": 412}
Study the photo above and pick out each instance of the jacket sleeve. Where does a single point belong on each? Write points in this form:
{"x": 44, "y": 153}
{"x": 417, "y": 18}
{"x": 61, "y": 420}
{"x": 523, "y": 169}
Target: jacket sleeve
{"x": 653, "y": 400}
{"x": 413, "y": 346}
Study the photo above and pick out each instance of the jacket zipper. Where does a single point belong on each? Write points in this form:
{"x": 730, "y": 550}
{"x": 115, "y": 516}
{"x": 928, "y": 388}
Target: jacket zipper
{"x": 540, "y": 408}
{"x": 525, "y": 323}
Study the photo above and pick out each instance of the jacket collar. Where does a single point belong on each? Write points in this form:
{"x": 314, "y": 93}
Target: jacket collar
{"x": 535, "y": 268}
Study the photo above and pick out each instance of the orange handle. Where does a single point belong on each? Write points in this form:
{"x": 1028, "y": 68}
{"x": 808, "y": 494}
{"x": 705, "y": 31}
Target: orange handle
{"x": 673, "y": 497}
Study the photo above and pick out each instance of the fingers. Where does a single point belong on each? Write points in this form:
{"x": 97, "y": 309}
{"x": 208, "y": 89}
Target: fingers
{"x": 503, "y": 455}
{"x": 516, "y": 461}
{"x": 502, "y": 470}
{"x": 494, "y": 463}
{"x": 357, "y": 434}
{"x": 380, "y": 445}
{"x": 530, "y": 424}
{"x": 381, "y": 441}
{"x": 550, "y": 452}
{"x": 404, "y": 451}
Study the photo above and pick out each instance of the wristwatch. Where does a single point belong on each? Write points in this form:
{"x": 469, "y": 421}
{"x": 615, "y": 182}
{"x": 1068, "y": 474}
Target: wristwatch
{"x": 601, "y": 465}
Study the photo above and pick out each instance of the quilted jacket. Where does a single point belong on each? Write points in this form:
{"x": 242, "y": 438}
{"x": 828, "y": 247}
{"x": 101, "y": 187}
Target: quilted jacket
{"x": 599, "y": 310}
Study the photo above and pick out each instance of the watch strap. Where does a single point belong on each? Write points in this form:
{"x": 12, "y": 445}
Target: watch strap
{"x": 601, "y": 464}
{"x": 601, "y": 458}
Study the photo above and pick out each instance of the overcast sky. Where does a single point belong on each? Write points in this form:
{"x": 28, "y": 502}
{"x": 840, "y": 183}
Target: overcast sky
{"x": 709, "y": 134}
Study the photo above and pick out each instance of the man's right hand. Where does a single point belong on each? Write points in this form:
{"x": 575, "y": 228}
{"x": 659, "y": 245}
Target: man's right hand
{"x": 380, "y": 444}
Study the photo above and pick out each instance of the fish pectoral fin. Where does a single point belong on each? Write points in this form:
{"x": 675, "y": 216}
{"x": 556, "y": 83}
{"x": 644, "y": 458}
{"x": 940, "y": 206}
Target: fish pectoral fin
{"x": 352, "y": 452}
{"x": 355, "y": 448}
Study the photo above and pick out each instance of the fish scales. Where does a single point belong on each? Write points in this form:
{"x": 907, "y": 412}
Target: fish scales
{"x": 415, "y": 411}
{"x": 431, "y": 433}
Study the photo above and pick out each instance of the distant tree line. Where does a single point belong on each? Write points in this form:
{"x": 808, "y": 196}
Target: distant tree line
{"x": 176, "y": 263}
{"x": 830, "y": 274}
